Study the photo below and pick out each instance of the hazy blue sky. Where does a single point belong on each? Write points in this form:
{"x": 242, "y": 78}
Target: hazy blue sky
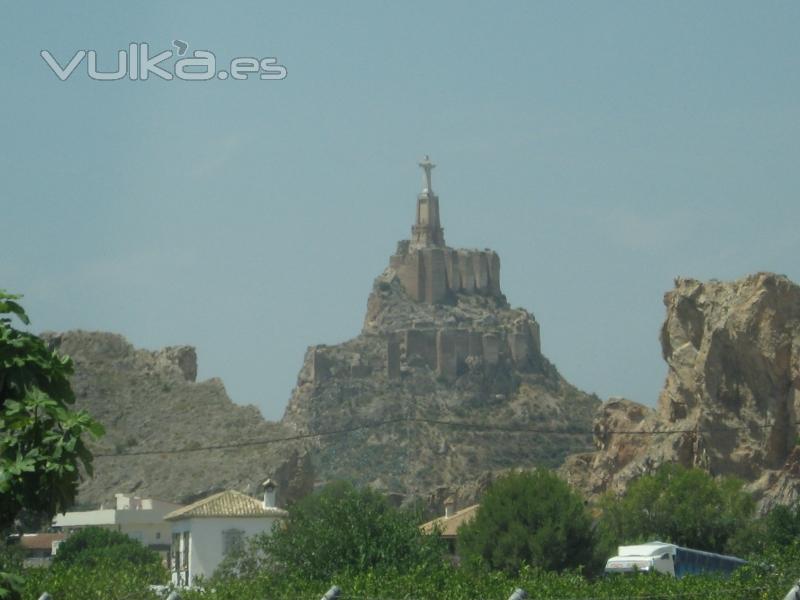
{"x": 600, "y": 148}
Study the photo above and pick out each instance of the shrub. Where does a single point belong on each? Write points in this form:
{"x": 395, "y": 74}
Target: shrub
{"x": 443, "y": 582}
{"x": 678, "y": 505}
{"x": 10, "y": 569}
{"x": 104, "y": 579}
{"x": 531, "y": 518}
{"x": 94, "y": 546}
{"x": 451, "y": 583}
{"x": 777, "y": 530}
{"x": 340, "y": 529}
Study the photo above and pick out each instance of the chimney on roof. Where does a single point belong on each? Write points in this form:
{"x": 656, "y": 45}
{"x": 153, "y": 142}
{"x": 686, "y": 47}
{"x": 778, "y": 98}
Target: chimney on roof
{"x": 449, "y": 507}
{"x": 269, "y": 493}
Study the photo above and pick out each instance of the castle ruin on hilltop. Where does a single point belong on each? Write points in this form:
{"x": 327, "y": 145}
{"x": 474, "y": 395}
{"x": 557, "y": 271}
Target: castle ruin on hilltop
{"x": 439, "y": 341}
{"x": 441, "y": 307}
{"x": 429, "y": 270}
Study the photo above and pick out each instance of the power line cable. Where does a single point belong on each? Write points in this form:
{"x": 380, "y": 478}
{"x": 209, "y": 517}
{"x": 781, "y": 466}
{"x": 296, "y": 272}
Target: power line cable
{"x": 475, "y": 427}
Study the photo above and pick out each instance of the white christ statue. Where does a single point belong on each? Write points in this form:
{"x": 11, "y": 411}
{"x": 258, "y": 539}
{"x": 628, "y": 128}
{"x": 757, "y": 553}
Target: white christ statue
{"x": 427, "y": 166}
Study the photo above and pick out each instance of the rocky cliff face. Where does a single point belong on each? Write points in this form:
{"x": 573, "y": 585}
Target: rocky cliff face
{"x": 472, "y": 359}
{"x": 732, "y": 392}
{"x": 729, "y": 405}
{"x": 439, "y": 344}
{"x": 150, "y": 401}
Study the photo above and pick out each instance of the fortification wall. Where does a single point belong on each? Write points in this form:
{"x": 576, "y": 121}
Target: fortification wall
{"x": 449, "y": 352}
{"x": 434, "y": 275}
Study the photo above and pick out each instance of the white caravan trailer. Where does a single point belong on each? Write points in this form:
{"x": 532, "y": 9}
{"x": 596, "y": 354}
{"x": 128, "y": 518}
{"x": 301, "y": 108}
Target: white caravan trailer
{"x": 671, "y": 559}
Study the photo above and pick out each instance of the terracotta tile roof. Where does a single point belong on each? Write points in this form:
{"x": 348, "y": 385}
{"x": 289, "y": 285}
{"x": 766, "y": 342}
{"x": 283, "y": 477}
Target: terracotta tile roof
{"x": 226, "y": 504}
{"x": 448, "y": 526}
{"x": 39, "y": 541}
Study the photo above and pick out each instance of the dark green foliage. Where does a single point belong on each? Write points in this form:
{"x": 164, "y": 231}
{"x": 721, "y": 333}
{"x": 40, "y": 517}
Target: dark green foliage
{"x": 441, "y": 583}
{"x": 340, "y": 529}
{"x": 10, "y": 569}
{"x": 782, "y": 526}
{"x": 94, "y": 563}
{"x": 531, "y": 518}
{"x": 105, "y": 580}
{"x": 11, "y": 556}
{"x": 769, "y": 576}
{"x": 775, "y": 531}
{"x": 451, "y": 583}
{"x": 41, "y": 444}
{"x": 678, "y": 505}
{"x": 94, "y": 545}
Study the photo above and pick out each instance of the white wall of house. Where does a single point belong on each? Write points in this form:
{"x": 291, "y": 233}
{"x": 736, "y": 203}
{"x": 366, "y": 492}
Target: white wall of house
{"x": 149, "y": 534}
{"x": 85, "y": 518}
{"x": 206, "y": 541}
{"x": 139, "y": 518}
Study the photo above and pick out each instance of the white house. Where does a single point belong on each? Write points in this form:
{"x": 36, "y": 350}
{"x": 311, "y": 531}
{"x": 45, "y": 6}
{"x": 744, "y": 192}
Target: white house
{"x": 139, "y": 518}
{"x": 203, "y": 533}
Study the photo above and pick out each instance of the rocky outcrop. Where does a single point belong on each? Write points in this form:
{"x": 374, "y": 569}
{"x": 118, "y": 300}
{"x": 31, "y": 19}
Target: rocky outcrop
{"x": 475, "y": 360}
{"x": 150, "y": 401}
{"x": 731, "y": 399}
{"x": 458, "y": 354}
{"x": 440, "y": 346}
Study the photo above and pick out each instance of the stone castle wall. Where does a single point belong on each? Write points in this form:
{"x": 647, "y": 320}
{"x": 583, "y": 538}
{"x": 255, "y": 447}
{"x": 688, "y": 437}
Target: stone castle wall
{"x": 448, "y": 352}
{"x": 433, "y": 274}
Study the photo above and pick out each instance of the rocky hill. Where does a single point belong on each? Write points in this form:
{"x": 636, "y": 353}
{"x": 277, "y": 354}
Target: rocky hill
{"x": 435, "y": 393}
{"x": 439, "y": 362}
{"x": 149, "y": 401}
{"x": 439, "y": 343}
{"x": 731, "y": 397}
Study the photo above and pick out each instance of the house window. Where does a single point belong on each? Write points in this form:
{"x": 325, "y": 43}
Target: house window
{"x": 186, "y": 548}
{"x": 175, "y": 554}
{"x": 186, "y": 556}
{"x": 232, "y": 541}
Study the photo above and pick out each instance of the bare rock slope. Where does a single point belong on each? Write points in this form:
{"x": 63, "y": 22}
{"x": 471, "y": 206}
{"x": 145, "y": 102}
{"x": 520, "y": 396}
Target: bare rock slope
{"x": 397, "y": 369}
{"x": 731, "y": 397}
{"x": 149, "y": 402}
{"x": 440, "y": 344}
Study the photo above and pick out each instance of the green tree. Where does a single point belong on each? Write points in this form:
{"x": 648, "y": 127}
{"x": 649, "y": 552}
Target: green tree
{"x": 41, "y": 443}
{"x": 776, "y": 531}
{"x": 531, "y": 518}
{"x": 11, "y": 557}
{"x": 93, "y": 546}
{"x": 338, "y": 530}
{"x": 782, "y": 525}
{"x": 682, "y": 506}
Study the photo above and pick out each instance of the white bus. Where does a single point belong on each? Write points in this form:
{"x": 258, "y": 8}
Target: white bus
{"x": 671, "y": 559}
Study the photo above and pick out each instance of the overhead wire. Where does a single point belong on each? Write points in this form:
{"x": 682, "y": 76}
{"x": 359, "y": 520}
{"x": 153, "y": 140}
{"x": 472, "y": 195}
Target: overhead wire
{"x": 474, "y": 427}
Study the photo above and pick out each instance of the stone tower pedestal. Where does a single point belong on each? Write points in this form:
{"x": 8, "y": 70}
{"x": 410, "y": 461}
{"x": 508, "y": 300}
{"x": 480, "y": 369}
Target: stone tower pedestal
{"x": 427, "y": 230}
